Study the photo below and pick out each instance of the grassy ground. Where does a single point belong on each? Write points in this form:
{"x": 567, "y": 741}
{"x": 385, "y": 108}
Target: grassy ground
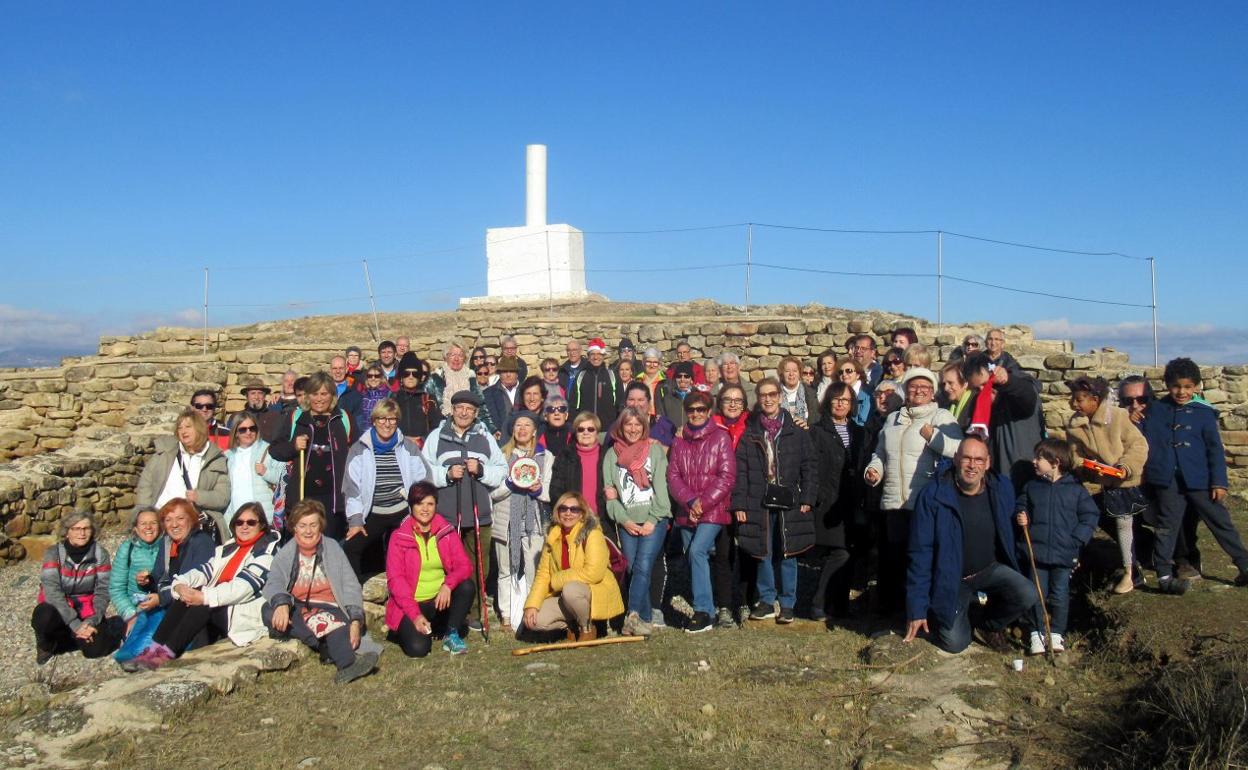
{"x": 794, "y": 696}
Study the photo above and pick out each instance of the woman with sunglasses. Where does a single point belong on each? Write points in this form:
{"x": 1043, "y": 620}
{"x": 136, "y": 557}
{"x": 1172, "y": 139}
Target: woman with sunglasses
{"x": 894, "y": 365}
{"x": 849, "y": 371}
{"x": 375, "y": 390}
{"x": 578, "y": 468}
{"x": 549, "y": 377}
{"x": 573, "y": 588}
{"x": 221, "y": 596}
{"x": 519, "y": 515}
{"x": 730, "y": 414}
{"x": 381, "y": 466}
{"x": 253, "y": 473}
{"x": 419, "y": 414}
{"x": 190, "y": 467}
{"x": 701, "y": 471}
{"x": 556, "y": 433}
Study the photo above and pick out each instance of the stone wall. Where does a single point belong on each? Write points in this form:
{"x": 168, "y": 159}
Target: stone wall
{"x": 76, "y": 436}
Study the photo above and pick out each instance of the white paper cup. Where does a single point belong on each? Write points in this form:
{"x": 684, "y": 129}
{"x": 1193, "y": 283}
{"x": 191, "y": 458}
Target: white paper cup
{"x": 1018, "y": 664}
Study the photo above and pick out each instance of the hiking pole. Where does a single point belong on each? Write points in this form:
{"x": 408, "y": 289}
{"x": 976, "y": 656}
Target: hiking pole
{"x": 476, "y": 525}
{"x": 1035, "y": 577}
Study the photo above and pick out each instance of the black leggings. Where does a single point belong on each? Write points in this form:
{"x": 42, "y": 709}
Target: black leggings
{"x": 368, "y": 550}
{"x": 52, "y": 634}
{"x": 834, "y": 574}
{"x": 417, "y": 645}
{"x": 183, "y": 623}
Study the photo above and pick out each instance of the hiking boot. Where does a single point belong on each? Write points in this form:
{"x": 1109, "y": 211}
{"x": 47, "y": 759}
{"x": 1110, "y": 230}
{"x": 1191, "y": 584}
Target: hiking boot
{"x": 630, "y": 622}
{"x": 43, "y": 656}
{"x": 154, "y": 657}
{"x": 1035, "y": 645}
{"x": 656, "y": 618}
{"x": 642, "y": 628}
{"x": 763, "y": 611}
{"x": 1056, "y": 643}
{"x": 588, "y": 635}
{"x": 994, "y": 640}
{"x": 1173, "y": 585}
{"x": 1241, "y": 580}
{"x": 474, "y": 624}
{"x": 724, "y": 619}
{"x": 698, "y": 623}
{"x": 453, "y": 644}
{"x": 786, "y": 616}
{"x": 743, "y": 613}
{"x": 363, "y": 665}
{"x": 1187, "y": 572}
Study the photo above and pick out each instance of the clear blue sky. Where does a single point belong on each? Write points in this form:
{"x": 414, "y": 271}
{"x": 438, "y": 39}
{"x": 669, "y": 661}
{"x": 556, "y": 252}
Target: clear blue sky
{"x": 281, "y": 143}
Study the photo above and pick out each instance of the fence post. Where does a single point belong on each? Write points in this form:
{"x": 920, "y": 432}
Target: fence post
{"x": 368, "y": 282}
{"x": 1152, "y": 274}
{"x": 205, "y": 311}
{"x": 940, "y": 281}
{"x": 749, "y": 260}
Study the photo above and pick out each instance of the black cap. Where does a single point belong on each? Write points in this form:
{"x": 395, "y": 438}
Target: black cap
{"x": 626, "y": 344}
{"x": 466, "y": 397}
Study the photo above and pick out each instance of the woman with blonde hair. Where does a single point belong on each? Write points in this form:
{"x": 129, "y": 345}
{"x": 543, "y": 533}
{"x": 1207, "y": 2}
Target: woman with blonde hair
{"x": 191, "y": 467}
{"x": 451, "y": 377}
{"x": 253, "y": 473}
{"x": 520, "y": 515}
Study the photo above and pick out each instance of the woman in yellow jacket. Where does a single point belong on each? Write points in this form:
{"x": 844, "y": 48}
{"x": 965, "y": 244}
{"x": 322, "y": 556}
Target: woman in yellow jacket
{"x": 574, "y": 585}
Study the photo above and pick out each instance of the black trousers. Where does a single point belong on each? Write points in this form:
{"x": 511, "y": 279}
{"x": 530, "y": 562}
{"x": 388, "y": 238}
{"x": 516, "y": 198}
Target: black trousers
{"x": 184, "y": 624}
{"x": 893, "y": 539}
{"x": 1173, "y": 502}
{"x": 368, "y": 551}
{"x": 417, "y": 645}
{"x": 52, "y": 634}
{"x": 721, "y": 567}
{"x": 835, "y": 574}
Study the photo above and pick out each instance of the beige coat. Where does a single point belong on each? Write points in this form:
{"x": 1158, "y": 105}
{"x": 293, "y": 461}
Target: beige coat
{"x": 1107, "y": 437}
{"x": 212, "y": 488}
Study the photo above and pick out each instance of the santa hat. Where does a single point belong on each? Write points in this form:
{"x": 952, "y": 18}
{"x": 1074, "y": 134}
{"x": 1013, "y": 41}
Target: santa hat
{"x": 597, "y": 344}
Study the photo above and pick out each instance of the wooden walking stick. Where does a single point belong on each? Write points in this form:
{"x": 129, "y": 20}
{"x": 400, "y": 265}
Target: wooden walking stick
{"x": 577, "y": 645}
{"x": 1035, "y": 577}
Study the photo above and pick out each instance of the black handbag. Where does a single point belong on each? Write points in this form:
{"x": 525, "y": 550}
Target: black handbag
{"x": 779, "y": 497}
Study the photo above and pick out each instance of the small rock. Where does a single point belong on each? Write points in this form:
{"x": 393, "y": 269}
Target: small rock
{"x": 1049, "y": 680}
{"x": 818, "y": 717}
{"x": 708, "y": 709}
{"x": 849, "y": 704}
{"x": 309, "y": 762}
{"x": 541, "y": 666}
{"x": 268, "y": 721}
{"x": 707, "y": 735}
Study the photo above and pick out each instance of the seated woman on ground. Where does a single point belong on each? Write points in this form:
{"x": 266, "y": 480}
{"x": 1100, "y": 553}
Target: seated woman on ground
{"x": 430, "y": 578}
{"x": 573, "y": 587}
{"x": 73, "y": 594}
{"x": 219, "y": 597}
{"x": 130, "y": 580}
{"x": 312, "y": 594}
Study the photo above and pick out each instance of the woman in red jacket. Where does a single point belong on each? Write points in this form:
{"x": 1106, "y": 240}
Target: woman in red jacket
{"x": 701, "y": 469}
{"x": 429, "y": 577}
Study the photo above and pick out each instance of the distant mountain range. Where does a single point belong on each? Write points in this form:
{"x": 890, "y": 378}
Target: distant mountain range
{"x": 27, "y": 356}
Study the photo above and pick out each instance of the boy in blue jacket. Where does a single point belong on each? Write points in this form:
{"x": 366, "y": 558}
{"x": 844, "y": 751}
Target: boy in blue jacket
{"x": 1187, "y": 467}
{"x": 1062, "y": 518}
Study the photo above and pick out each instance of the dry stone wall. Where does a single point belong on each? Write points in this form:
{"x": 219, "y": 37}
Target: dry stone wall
{"x": 76, "y": 436}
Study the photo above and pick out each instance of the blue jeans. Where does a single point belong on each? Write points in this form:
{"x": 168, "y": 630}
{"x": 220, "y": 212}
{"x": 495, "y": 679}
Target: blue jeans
{"x": 1009, "y": 596}
{"x": 1055, "y": 582}
{"x": 140, "y": 635}
{"x": 641, "y": 553}
{"x": 772, "y": 562}
{"x": 699, "y": 542}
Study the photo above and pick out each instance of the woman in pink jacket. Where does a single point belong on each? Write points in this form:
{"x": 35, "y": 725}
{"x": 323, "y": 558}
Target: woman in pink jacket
{"x": 701, "y": 470}
{"x": 429, "y": 577}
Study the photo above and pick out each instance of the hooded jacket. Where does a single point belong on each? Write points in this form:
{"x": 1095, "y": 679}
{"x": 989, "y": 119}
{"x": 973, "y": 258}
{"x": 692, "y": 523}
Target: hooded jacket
{"x": 590, "y": 564}
{"x": 241, "y": 594}
{"x": 445, "y": 448}
{"x": 360, "y": 480}
{"x": 1062, "y": 518}
{"x": 1109, "y": 437}
{"x": 934, "y": 577}
{"x": 797, "y": 467}
{"x": 702, "y": 466}
{"x": 403, "y": 566}
{"x": 906, "y": 460}
{"x": 1184, "y": 440}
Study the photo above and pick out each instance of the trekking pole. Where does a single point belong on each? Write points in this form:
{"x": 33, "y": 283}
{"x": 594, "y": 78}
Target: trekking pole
{"x": 476, "y": 524}
{"x": 1035, "y": 577}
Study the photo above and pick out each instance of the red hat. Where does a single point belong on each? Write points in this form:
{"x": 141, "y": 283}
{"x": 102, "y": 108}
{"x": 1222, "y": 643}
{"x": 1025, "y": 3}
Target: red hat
{"x": 597, "y": 344}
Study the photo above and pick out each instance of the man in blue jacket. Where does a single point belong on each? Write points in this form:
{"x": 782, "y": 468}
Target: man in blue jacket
{"x": 961, "y": 544}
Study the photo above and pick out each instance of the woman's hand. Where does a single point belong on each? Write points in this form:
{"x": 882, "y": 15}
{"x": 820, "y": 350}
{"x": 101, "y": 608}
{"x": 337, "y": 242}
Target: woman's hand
{"x": 192, "y": 597}
{"x": 535, "y": 487}
{"x": 1000, "y": 375}
{"x": 355, "y": 634}
{"x": 130, "y": 624}
{"x": 192, "y": 495}
{"x": 740, "y": 517}
{"x": 281, "y": 619}
{"x": 301, "y": 443}
{"x": 872, "y": 476}
{"x": 927, "y": 431}
{"x": 353, "y": 531}
{"x": 1021, "y": 518}
{"x": 610, "y": 493}
{"x": 150, "y": 603}
{"x": 260, "y": 469}
{"x": 647, "y": 529}
{"x": 443, "y": 599}
{"x": 804, "y": 509}
{"x": 85, "y": 632}
{"x": 799, "y": 422}
{"x": 1217, "y": 494}
{"x": 530, "y": 618}
{"x": 632, "y": 529}
{"x": 423, "y": 626}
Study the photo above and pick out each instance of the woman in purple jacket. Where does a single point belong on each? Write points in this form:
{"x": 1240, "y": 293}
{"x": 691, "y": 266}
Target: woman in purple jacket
{"x": 701, "y": 471}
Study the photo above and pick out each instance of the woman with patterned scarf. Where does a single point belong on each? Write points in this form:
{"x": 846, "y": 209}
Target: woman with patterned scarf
{"x": 520, "y": 514}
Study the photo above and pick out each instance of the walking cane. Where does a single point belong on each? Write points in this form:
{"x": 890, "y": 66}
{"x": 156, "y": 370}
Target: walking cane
{"x": 476, "y": 524}
{"x": 1035, "y": 577}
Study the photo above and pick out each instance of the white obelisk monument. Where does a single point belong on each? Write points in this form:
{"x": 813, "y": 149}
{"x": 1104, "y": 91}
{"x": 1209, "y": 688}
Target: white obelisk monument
{"x": 537, "y": 262}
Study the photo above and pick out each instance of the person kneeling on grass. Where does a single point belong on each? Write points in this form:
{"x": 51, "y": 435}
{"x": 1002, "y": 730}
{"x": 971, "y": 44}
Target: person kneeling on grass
{"x": 1062, "y": 519}
{"x": 220, "y": 596}
{"x": 313, "y": 595}
{"x": 573, "y": 586}
{"x": 962, "y": 543}
{"x": 429, "y": 577}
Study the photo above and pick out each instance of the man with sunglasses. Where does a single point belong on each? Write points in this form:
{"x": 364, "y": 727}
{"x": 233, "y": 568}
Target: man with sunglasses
{"x": 596, "y": 388}
{"x": 268, "y": 421}
{"x": 204, "y": 401}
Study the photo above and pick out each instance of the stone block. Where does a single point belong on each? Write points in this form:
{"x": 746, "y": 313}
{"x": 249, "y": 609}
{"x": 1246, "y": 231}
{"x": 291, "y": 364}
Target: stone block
{"x": 45, "y": 400}
{"x": 1215, "y": 396}
{"x": 1084, "y": 362}
{"x": 1059, "y": 361}
{"x": 36, "y": 546}
{"x": 149, "y": 348}
{"x": 18, "y": 526}
{"x": 119, "y": 349}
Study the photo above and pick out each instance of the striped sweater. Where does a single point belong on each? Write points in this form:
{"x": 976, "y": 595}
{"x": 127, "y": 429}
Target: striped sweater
{"x": 78, "y": 590}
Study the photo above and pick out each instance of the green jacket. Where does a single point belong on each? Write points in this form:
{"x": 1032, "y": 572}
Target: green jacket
{"x": 634, "y": 504}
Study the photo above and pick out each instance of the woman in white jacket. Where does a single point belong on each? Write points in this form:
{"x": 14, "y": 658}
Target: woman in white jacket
{"x": 911, "y": 444}
{"x": 253, "y": 474}
{"x": 221, "y": 595}
{"x": 520, "y": 517}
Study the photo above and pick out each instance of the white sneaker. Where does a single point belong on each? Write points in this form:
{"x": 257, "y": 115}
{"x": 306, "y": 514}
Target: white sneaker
{"x": 1056, "y": 643}
{"x": 1036, "y": 646}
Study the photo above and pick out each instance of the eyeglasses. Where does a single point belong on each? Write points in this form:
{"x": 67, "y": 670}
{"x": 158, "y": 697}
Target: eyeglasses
{"x": 733, "y": 401}
{"x": 973, "y": 460}
{"x": 587, "y": 429}
{"x": 570, "y": 509}
{"x": 549, "y": 369}
{"x": 246, "y": 523}
{"x": 372, "y": 376}
{"x": 842, "y": 401}
{"x": 1137, "y": 400}
{"x": 896, "y": 363}
{"x": 697, "y": 410}
{"x": 248, "y": 429}
{"x": 556, "y": 410}
{"x": 769, "y": 394}
{"x": 411, "y": 373}
{"x": 207, "y": 407}
{"x": 970, "y": 345}
{"x": 385, "y": 420}
{"x": 920, "y": 388}
{"x": 82, "y": 528}
{"x": 849, "y": 371}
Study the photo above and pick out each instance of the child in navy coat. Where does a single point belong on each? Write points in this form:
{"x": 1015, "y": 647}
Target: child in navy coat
{"x": 1062, "y": 518}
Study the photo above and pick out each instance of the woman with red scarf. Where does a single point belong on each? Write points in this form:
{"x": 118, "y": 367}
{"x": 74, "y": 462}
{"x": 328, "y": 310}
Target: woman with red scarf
{"x": 221, "y": 595}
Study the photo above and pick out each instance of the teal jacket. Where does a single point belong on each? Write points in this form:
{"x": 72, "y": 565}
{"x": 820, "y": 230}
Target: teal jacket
{"x": 133, "y": 556}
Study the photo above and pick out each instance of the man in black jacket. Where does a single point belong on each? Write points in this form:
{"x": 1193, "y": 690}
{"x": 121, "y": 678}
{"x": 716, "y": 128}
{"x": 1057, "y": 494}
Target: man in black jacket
{"x": 573, "y": 366}
{"x": 596, "y": 389}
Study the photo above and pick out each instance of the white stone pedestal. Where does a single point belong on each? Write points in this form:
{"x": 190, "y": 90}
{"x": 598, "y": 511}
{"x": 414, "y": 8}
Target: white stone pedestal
{"x": 528, "y": 264}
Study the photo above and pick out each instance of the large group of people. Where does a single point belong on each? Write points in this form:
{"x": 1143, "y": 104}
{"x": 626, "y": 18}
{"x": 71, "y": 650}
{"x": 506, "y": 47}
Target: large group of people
{"x": 560, "y": 502}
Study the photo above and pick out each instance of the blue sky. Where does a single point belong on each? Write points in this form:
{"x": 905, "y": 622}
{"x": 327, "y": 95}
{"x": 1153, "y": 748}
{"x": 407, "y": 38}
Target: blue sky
{"x": 280, "y": 144}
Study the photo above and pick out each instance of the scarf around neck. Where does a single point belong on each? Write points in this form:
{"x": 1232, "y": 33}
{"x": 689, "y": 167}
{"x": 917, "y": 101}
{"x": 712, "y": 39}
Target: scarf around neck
{"x": 236, "y": 560}
{"x": 632, "y": 457}
{"x": 382, "y": 447}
